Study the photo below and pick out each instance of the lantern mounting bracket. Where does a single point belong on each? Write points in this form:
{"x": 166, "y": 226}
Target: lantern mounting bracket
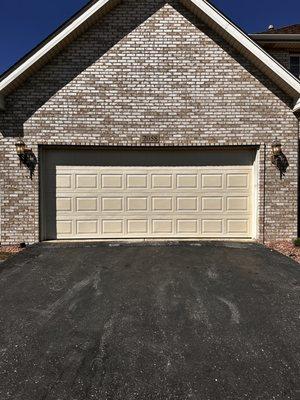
{"x": 27, "y": 157}
{"x": 279, "y": 159}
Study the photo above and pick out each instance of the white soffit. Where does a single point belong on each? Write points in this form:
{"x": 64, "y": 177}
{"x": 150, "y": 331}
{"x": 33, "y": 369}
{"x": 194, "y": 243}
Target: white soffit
{"x": 242, "y": 42}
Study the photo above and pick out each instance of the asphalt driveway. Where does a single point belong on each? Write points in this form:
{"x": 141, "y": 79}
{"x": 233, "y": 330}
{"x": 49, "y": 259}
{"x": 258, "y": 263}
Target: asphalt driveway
{"x": 191, "y": 321}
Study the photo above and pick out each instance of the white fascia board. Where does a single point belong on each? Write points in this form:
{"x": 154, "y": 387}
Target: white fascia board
{"x": 52, "y": 43}
{"x": 2, "y": 103}
{"x": 248, "y": 44}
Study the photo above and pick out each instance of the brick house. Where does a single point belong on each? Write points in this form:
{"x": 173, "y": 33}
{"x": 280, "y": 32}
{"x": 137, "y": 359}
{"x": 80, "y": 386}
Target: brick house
{"x": 151, "y": 119}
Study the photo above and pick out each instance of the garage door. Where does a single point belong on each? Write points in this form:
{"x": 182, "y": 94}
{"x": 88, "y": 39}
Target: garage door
{"x": 154, "y": 202}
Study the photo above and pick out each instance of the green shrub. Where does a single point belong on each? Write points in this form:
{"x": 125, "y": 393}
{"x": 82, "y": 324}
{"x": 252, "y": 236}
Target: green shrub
{"x": 297, "y": 242}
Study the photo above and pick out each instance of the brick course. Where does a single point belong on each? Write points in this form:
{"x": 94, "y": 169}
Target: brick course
{"x": 148, "y": 67}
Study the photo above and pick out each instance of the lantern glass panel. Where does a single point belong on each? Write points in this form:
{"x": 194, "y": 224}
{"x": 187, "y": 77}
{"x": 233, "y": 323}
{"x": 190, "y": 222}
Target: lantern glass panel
{"x": 20, "y": 147}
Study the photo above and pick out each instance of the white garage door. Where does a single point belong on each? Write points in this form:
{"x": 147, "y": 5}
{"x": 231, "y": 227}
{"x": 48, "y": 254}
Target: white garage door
{"x": 154, "y": 202}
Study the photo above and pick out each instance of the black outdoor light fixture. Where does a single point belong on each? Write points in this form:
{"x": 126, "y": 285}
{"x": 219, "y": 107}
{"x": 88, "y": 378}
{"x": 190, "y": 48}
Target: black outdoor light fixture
{"x": 279, "y": 159}
{"x": 26, "y": 157}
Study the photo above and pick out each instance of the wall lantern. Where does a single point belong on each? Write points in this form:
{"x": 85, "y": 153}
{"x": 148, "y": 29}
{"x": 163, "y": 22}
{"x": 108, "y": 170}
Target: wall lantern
{"x": 279, "y": 159}
{"x": 26, "y": 156}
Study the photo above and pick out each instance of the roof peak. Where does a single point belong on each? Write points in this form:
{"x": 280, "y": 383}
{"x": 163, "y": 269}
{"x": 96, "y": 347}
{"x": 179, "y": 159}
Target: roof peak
{"x": 201, "y": 8}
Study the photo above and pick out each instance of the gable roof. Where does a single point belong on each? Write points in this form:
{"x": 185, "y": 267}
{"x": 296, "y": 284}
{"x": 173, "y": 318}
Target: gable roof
{"x": 201, "y": 8}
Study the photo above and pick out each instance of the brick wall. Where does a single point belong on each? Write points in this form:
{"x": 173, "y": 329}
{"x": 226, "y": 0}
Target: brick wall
{"x": 282, "y": 56}
{"x": 148, "y": 67}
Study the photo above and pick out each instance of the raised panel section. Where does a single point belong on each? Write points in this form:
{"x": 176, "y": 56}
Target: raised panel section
{"x": 187, "y": 226}
{"x": 64, "y": 181}
{"x": 112, "y": 204}
{"x": 187, "y": 204}
{"x": 87, "y": 227}
{"x": 137, "y": 203}
{"x": 112, "y": 227}
{"x": 86, "y": 181}
{"x": 64, "y": 227}
{"x": 212, "y": 226}
{"x": 64, "y": 204}
{"x": 211, "y": 181}
{"x": 237, "y": 226}
{"x": 162, "y": 203}
{"x": 137, "y": 226}
{"x": 162, "y": 226}
{"x": 187, "y": 181}
{"x": 86, "y": 204}
{"x": 237, "y": 203}
{"x": 137, "y": 181}
{"x": 111, "y": 181}
{"x": 162, "y": 181}
{"x": 212, "y": 203}
{"x": 237, "y": 181}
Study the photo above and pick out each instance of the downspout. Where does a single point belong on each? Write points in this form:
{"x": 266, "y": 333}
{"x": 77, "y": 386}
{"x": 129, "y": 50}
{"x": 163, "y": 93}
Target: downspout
{"x": 264, "y": 197}
{"x": 298, "y": 162}
{"x": 297, "y": 115}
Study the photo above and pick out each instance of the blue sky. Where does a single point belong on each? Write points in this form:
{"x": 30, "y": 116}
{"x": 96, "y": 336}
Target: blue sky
{"x": 23, "y": 24}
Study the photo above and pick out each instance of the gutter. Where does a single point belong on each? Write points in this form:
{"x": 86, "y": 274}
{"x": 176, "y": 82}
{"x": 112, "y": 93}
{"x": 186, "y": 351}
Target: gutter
{"x": 269, "y": 37}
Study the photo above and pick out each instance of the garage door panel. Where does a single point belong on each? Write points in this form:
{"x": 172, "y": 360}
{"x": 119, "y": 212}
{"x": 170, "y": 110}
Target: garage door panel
{"x": 162, "y": 203}
{"x": 137, "y": 226}
{"x": 110, "y": 181}
{"x": 86, "y": 204}
{"x": 187, "y": 181}
{"x": 160, "y": 181}
{"x": 237, "y": 181}
{"x": 212, "y": 203}
{"x": 110, "y": 226}
{"x": 237, "y": 203}
{"x": 187, "y": 226}
{"x": 112, "y": 204}
{"x": 136, "y": 181}
{"x": 162, "y": 226}
{"x": 132, "y": 202}
{"x": 187, "y": 204}
{"x": 64, "y": 204}
{"x": 87, "y": 227}
{"x": 210, "y": 227}
{"x": 137, "y": 204}
{"x": 83, "y": 181}
{"x": 64, "y": 181}
{"x": 65, "y": 227}
{"x": 211, "y": 181}
{"x": 237, "y": 226}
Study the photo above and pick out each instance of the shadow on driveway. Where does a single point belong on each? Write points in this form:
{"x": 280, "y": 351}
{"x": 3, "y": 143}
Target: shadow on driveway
{"x": 186, "y": 321}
